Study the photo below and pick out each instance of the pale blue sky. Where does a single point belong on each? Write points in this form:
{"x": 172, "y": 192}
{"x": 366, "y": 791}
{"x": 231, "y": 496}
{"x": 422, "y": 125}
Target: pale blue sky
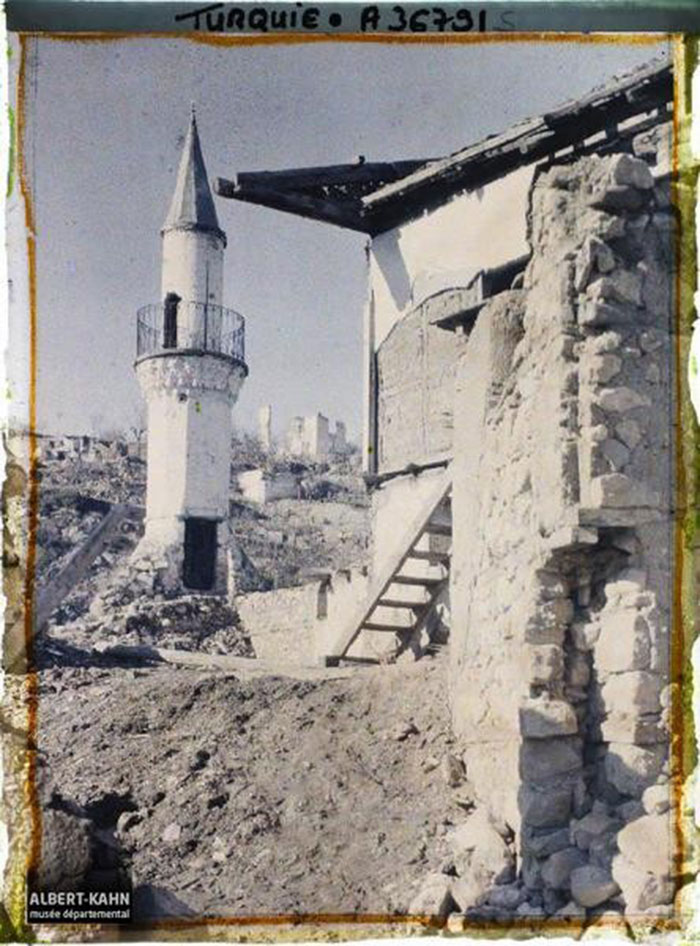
{"x": 107, "y": 132}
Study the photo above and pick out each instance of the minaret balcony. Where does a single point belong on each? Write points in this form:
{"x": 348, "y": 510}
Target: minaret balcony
{"x": 189, "y": 327}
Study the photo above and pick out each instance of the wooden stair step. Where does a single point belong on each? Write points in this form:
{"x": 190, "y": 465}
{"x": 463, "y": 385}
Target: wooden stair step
{"x": 425, "y": 520}
{"x": 393, "y": 603}
{"x": 416, "y": 580}
{"x": 426, "y": 555}
{"x": 394, "y": 628}
{"x": 374, "y": 661}
{"x": 437, "y": 528}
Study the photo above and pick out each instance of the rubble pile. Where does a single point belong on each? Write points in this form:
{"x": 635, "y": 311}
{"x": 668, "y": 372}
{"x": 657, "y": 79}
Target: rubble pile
{"x": 64, "y": 523}
{"x": 67, "y": 518}
{"x": 124, "y": 616}
{"x": 289, "y": 538}
{"x": 119, "y": 479}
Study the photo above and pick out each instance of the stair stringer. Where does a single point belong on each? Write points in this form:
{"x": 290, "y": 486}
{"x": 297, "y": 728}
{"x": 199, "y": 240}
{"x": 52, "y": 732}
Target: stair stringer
{"x": 418, "y": 526}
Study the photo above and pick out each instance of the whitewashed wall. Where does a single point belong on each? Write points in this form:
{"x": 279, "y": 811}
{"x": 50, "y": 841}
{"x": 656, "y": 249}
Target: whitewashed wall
{"x": 444, "y": 248}
{"x": 193, "y": 265}
{"x": 447, "y": 247}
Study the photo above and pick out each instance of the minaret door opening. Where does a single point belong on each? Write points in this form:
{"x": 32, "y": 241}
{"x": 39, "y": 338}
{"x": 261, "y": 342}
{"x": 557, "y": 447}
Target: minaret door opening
{"x": 199, "y": 567}
{"x": 170, "y": 320}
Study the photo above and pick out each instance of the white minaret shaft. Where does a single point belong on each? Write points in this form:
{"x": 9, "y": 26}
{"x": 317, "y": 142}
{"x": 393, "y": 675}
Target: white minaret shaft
{"x": 190, "y": 367}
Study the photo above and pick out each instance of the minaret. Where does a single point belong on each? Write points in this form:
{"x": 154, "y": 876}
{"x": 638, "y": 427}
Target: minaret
{"x": 190, "y": 365}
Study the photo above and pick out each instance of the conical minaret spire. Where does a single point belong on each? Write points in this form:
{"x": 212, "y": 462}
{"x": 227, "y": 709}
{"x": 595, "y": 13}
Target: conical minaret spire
{"x": 192, "y": 206}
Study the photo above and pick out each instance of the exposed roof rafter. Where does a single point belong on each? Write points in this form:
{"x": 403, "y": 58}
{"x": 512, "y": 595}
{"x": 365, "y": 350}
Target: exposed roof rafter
{"x": 373, "y": 197}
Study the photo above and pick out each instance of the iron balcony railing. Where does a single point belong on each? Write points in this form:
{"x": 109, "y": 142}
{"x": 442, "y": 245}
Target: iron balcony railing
{"x": 190, "y": 326}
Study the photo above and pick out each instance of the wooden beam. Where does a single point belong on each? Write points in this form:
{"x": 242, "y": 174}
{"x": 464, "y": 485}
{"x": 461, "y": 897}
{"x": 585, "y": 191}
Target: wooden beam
{"x": 340, "y": 214}
{"x": 402, "y": 190}
{"x": 375, "y": 172}
{"x": 493, "y": 158}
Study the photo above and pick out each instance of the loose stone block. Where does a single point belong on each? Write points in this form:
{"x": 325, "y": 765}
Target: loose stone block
{"x": 579, "y": 671}
{"x": 643, "y": 869}
{"x": 621, "y": 400}
{"x": 617, "y": 197}
{"x": 480, "y": 852}
{"x": 544, "y": 809}
{"x": 546, "y": 624}
{"x": 506, "y": 897}
{"x": 585, "y": 262}
{"x": 549, "y": 585}
{"x": 629, "y": 432}
{"x": 545, "y": 663}
{"x": 630, "y": 810}
{"x": 597, "y": 313}
{"x": 531, "y": 873}
{"x": 557, "y": 869}
{"x": 631, "y": 769}
{"x": 543, "y": 718}
{"x": 629, "y": 584}
{"x": 585, "y": 635}
{"x": 591, "y": 885}
{"x": 541, "y": 759}
{"x": 572, "y": 909}
{"x": 615, "y": 453}
{"x": 591, "y": 826}
{"x": 618, "y": 491}
{"x": 602, "y": 850}
{"x": 606, "y": 367}
{"x": 604, "y": 342}
{"x": 639, "y": 730}
{"x": 642, "y": 890}
{"x": 466, "y": 892}
{"x": 632, "y": 172}
{"x": 544, "y": 844}
{"x": 599, "y": 433}
{"x": 657, "y": 799}
{"x": 650, "y": 340}
{"x": 456, "y": 923}
{"x": 623, "y": 285}
{"x": 647, "y": 842}
{"x": 605, "y": 225}
{"x": 653, "y": 374}
{"x": 634, "y": 692}
{"x": 624, "y": 642}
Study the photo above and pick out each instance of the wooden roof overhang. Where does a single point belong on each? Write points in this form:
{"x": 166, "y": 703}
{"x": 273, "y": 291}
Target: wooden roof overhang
{"x": 372, "y": 197}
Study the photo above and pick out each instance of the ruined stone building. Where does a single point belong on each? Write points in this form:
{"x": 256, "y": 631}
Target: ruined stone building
{"x": 518, "y": 413}
{"x": 190, "y": 366}
{"x": 311, "y": 438}
{"x": 265, "y": 426}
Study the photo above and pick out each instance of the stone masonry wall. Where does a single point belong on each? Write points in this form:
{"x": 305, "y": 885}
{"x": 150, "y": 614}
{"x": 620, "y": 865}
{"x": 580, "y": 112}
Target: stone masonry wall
{"x": 561, "y": 566}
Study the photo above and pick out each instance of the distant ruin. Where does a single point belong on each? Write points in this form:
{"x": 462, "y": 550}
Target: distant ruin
{"x": 311, "y": 438}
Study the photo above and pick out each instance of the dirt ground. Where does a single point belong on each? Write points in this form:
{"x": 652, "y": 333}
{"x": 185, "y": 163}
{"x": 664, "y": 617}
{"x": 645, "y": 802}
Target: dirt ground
{"x": 224, "y": 796}
{"x": 227, "y": 793}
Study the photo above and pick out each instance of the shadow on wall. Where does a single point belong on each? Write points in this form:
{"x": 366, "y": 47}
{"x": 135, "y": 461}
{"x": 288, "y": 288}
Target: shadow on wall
{"x": 387, "y": 252}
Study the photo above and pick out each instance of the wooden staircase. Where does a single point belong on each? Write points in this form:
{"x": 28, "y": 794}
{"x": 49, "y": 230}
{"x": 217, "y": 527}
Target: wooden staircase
{"x": 403, "y": 596}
